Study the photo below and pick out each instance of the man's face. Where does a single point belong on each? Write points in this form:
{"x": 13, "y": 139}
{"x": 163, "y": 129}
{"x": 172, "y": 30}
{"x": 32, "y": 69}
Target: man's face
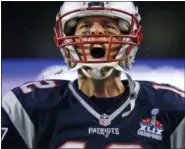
{"x": 97, "y": 25}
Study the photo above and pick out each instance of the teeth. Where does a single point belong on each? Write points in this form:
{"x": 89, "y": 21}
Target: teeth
{"x": 97, "y": 46}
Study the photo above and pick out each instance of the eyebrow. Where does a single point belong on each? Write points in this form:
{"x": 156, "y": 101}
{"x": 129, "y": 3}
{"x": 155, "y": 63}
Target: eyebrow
{"x": 105, "y": 21}
{"x": 89, "y": 21}
{"x": 108, "y": 22}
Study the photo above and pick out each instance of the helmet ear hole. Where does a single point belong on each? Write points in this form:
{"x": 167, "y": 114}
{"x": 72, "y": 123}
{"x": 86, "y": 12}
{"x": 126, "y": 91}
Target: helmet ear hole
{"x": 70, "y": 27}
{"x": 124, "y": 26}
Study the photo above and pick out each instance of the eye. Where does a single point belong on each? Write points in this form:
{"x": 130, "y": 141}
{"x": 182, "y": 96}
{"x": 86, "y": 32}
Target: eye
{"x": 107, "y": 26}
{"x": 85, "y": 26}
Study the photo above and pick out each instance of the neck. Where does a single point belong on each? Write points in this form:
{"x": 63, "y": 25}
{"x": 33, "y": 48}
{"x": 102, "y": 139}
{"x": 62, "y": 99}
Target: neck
{"x": 109, "y": 87}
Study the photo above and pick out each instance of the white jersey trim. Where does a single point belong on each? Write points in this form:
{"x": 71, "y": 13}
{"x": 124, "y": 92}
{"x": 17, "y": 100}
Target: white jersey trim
{"x": 116, "y": 112}
{"x": 19, "y": 118}
{"x": 178, "y": 136}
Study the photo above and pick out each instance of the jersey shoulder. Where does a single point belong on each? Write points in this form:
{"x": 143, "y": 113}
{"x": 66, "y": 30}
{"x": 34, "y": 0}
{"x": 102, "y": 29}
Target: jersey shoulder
{"x": 44, "y": 93}
{"x": 29, "y": 108}
{"x": 162, "y": 95}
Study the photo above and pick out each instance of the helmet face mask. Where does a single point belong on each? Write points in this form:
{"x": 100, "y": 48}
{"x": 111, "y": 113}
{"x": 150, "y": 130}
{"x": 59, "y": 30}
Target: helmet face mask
{"x": 69, "y": 43}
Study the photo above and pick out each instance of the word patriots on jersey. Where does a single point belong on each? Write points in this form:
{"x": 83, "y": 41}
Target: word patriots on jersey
{"x": 151, "y": 128}
{"x": 104, "y": 131}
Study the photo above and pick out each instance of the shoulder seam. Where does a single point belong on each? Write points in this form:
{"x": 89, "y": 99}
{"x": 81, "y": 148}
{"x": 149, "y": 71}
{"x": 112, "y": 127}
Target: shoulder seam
{"x": 169, "y": 88}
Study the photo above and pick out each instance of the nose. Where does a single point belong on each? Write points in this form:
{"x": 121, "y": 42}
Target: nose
{"x": 96, "y": 29}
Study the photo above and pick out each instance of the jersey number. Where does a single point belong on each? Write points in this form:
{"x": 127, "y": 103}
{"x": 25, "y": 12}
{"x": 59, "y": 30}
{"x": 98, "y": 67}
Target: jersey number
{"x": 28, "y": 87}
{"x": 82, "y": 145}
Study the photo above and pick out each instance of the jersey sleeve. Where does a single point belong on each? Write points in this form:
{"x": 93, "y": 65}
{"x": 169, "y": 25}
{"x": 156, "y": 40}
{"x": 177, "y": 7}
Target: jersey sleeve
{"x": 10, "y": 137}
{"x": 16, "y": 126}
{"x": 23, "y": 110}
{"x": 174, "y": 100}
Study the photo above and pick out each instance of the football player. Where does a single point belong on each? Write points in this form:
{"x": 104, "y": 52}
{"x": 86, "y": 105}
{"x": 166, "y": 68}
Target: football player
{"x": 97, "y": 110}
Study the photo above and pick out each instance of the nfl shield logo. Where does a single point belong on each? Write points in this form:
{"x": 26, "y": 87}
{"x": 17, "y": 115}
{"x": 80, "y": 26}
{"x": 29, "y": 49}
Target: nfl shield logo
{"x": 104, "y": 120}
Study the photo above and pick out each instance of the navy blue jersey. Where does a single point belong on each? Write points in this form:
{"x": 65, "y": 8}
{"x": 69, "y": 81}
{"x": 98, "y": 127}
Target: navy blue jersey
{"x": 56, "y": 114}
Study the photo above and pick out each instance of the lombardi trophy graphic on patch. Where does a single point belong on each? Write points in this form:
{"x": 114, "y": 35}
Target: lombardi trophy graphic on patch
{"x": 151, "y": 127}
{"x": 154, "y": 113}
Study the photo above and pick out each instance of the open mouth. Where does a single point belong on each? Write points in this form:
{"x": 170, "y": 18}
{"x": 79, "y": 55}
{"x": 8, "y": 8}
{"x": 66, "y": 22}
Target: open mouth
{"x": 97, "y": 51}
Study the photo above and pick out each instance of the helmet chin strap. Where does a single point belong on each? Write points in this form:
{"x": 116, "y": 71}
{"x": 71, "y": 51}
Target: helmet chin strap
{"x": 133, "y": 88}
{"x": 96, "y": 69}
{"x": 96, "y": 74}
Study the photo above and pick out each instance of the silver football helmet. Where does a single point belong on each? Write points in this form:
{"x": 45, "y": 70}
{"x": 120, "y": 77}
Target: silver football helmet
{"x": 128, "y": 20}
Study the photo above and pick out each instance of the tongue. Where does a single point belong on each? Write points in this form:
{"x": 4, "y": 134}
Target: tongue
{"x": 97, "y": 52}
